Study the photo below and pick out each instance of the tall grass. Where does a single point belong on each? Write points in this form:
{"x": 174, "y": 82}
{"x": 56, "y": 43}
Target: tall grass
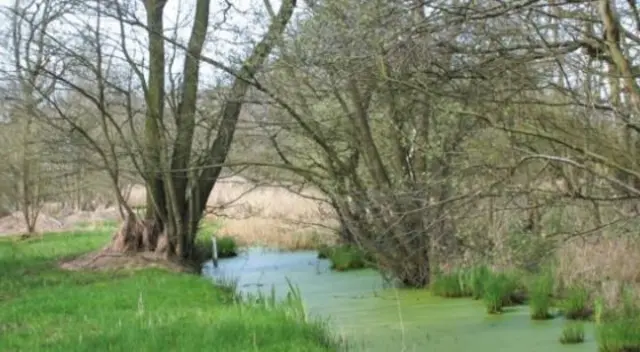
{"x": 619, "y": 328}
{"x": 467, "y": 282}
{"x": 540, "y": 292}
{"x": 498, "y": 291}
{"x": 576, "y": 304}
{"x": 572, "y": 333}
{"x": 451, "y": 285}
{"x": 346, "y": 257}
{"x": 478, "y": 276}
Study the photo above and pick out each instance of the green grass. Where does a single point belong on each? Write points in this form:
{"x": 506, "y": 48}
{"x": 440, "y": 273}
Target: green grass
{"x": 572, "y": 333}
{"x": 498, "y": 292}
{"x": 477, "y": 278}
{"x": 576, "y": 305}
{"x": 43, "y": 308}
{"x": 455, "y": 284}
{"x": 618, "y": 330}
{"x": 540, "y": 296}
{"x": 620, "y": 335}
{"x": 324, "y": 251}
{"x": 346, "y": 257}
{"x": 227, "y": 246}
{"x": 450, "y": 285}
{"x": 497, "y": 289}
{"x": 468, "y": 282}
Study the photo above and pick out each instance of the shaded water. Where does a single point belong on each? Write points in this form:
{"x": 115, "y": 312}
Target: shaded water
{"x": 378, "y": 319}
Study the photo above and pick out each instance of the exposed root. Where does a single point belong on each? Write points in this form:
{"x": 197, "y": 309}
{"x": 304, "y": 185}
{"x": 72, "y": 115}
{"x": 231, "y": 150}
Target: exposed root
{"x": 108, "y": 260}
{"x": 137, "y": 244}
{"x": 136, "y": 235}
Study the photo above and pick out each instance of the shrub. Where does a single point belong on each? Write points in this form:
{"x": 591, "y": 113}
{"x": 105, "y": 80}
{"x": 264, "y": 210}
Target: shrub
{"x": 572, "y": 333}
{"x": 576, "y": 305}
{"x": 497, "y": 292}
{"x": 540, "y": 292}
{"x": 346, "y": 257}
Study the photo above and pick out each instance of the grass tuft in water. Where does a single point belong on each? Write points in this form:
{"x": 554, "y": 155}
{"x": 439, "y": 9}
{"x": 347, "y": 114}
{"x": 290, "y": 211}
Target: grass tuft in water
{"x": 324, "y": 251}
{"x": 477, "y": 278}
{"x": 540, "y": 294}
{"x": 449, "y": 285}
{"x": 498, "y": 290}
{"x": 346, "y": 257}
{"x": 618, "y": 330}
{"x": 576, "y": 305}
{"x": 227, "y": 247}
{"x": 461, "y": 283}
{"x": 572, "y": 333}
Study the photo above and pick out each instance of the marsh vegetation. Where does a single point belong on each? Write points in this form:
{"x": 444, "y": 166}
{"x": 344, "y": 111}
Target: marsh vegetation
{"x": 480, "y": 153}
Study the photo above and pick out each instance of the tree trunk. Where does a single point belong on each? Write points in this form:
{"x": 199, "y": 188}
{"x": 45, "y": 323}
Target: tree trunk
{"x": 177, "y": 198}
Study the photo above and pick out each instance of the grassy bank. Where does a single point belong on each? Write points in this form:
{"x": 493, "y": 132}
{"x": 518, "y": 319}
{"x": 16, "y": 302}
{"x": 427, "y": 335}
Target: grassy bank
{"x": 43, "y": 308}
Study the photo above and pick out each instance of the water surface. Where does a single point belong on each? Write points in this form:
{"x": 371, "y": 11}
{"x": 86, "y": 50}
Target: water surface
{"x": 382, "y": 319}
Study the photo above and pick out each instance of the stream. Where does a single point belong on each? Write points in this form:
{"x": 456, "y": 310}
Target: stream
{"x": 375, "y": 318}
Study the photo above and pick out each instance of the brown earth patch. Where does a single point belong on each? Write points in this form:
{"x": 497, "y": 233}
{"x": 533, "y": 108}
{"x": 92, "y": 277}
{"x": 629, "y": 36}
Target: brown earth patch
{"x": 108, "y": 260}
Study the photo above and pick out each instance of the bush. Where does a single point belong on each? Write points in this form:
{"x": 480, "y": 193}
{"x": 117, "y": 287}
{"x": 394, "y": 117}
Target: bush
{"x": 498, "y": 291}
{"x": 576, "y": 305}
{"x": 346, "y": 257}
{"x": 540, "y": 292}
{"x": 572, "y": 333}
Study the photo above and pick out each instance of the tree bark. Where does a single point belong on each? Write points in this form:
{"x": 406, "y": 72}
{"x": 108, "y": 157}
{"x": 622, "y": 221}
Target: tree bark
{"x": 177, "y": 195}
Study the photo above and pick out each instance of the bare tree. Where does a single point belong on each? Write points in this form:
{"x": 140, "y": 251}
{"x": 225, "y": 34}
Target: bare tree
{"x": 29, "y": 88}
{"x": 160, "y": 149}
